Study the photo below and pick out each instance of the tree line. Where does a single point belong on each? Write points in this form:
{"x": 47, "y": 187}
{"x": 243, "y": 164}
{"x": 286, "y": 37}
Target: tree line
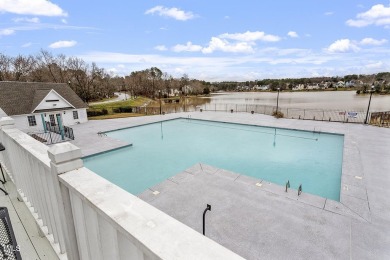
{"x": 91, "y": 82}
{"x": 287, "y": 83}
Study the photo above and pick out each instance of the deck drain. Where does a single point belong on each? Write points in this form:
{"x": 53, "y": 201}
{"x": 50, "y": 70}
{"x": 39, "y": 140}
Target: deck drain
{"x": 258, "y": 184}
{"x": 359, "y": 177}
{"x": 156, "y": 192}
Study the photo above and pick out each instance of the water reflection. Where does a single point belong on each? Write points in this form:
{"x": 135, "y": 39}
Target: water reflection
{"x": 274, "y": 138}
{"x": 162, "y": 132}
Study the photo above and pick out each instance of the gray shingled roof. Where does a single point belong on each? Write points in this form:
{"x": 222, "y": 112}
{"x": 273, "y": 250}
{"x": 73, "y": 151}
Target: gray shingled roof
{"x": 17, "y": 98}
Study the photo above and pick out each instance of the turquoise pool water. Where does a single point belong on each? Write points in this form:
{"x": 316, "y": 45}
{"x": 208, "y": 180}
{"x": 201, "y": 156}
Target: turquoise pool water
{"x": 163, "y": 149}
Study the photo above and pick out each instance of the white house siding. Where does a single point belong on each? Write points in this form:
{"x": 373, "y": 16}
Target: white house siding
{"x": 49, "y": 103}
{"x": 2, "y": 113}
{"x": 21, "y": 121}
{"x": 68, "y": 120}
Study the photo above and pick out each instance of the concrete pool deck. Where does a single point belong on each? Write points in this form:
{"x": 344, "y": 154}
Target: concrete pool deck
{"x": 262, "y": 222}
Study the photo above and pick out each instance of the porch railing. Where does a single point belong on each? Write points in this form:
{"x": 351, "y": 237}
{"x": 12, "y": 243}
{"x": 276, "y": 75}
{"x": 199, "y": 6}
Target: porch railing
{"x": 67, "y": 131}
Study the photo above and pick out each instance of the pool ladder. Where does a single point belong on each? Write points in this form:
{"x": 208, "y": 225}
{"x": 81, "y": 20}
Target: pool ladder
{"x": 299, "y": 188}
{"x": 101, "y": 134}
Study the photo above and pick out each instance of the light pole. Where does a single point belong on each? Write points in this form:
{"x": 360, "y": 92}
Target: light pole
{"x": 369, "y": 102}
{"x": 277, "y": 101}
{"x": 184, "y": 100}
{"x": 159, "y": 95}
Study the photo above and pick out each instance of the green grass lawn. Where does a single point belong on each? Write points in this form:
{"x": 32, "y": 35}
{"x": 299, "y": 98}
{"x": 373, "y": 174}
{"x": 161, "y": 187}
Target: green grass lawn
{"x": 139, "y": 101}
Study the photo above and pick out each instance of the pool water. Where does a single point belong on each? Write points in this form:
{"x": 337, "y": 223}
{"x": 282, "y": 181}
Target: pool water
{"x": 161, "y": 150}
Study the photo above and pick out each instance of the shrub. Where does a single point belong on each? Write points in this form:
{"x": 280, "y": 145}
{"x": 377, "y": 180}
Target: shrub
{"x": 278, "y": 114}
{"x": 97, "y": 112}
{"x": 123, "y": 110}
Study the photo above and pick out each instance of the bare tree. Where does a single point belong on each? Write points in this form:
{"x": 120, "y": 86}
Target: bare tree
{"x": 5, "y": 67}
{"x": 23, "y": 67}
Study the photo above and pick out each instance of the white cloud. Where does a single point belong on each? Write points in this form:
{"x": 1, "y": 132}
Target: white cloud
{"x": 62, "y": 44}
{"x": 375, "y": 65}
{"x": 371, "y": 41}
{"x": 329, "y": 13}
{"x": 343, "y": 45}
{"x": 26, "y": 20}
{"x": 377, "y": 15}
{"x": 31, "y": 7}
{"x": 28, "y": 44}
{"x": 265, "y": 64}
{"x": 64, "y": 21}
{"x": 173, "y": 12}
{"x": 161, "y": 48}
{"x": 5, "y": 32}
{"x": 189, "y": 47}
{"x": 217, "y": 44}
{"x": 250, "y": 36}
{"x": 292, "y": 34}
{"x": 228, "y": 42}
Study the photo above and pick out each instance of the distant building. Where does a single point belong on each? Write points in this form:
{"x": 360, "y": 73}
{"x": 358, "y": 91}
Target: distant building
{"x": 313, "y": 86}
{"x": 354, "y": 83}
{"x": 34, "y": 105}
{"x": 340, "y": 84}
{"x": 298, "y": 87}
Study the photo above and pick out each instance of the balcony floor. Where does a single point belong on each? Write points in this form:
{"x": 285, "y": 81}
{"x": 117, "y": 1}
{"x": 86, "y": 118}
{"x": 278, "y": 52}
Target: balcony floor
{"x": 32, "y": 245}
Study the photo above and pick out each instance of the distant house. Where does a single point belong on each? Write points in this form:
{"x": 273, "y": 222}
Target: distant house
{"x": 340, "y": 84}
{"x": 299, "y": 87}
{"x": 313, "y": 86}
{"x": 264, "y": 87}
{"x": 353, "y": 83}
{"x": 35, "y": 106}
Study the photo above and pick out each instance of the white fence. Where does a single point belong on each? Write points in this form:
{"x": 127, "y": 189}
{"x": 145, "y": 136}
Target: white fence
{"x": 86, "y": 217}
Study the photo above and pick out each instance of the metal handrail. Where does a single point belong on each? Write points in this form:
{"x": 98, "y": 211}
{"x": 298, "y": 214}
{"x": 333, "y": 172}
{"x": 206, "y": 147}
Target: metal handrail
{"x": 300, "y": 189}
{"x": 287, "y": 185}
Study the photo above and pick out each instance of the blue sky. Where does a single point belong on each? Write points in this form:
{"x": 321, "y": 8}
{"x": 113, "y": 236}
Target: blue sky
{"x": 211, "y": 40}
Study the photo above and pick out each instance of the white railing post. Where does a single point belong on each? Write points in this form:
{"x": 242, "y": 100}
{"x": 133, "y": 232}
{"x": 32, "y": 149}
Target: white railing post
{"x": 65, "y": 157}
{"x": 6, "y": 123}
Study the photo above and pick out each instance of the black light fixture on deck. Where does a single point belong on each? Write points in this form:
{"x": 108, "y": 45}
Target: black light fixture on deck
{"x": 204, "y": 217}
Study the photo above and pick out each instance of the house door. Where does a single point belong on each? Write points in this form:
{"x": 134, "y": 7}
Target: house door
{"x": 52, "y": 120}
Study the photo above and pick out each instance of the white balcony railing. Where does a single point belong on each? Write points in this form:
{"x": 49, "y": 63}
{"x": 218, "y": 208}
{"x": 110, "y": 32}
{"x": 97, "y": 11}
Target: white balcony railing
{"x": 85, "y": 216}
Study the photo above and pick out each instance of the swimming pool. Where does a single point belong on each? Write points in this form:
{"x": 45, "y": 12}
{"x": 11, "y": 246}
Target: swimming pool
{"x": 161, "y": 150}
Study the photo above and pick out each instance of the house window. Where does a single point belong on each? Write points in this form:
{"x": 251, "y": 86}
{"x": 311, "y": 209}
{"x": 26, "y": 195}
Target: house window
{"x": 75, "y": 115}
{"x": 31, "y": 121}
